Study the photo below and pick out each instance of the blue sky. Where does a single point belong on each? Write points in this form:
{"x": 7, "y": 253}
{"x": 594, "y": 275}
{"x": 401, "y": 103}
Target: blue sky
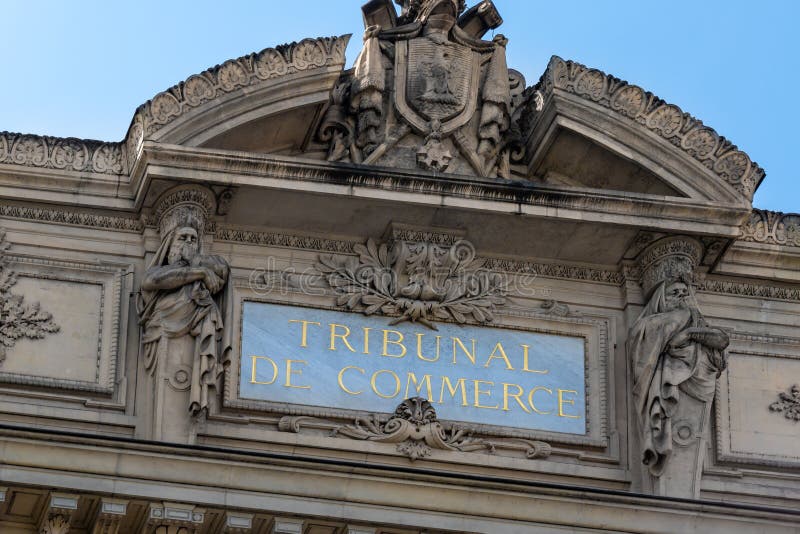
{"x": 81, "y": 68}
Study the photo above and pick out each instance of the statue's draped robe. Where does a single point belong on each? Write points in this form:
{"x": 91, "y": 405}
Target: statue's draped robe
{"x": 189, "y": 310}
{"x": 662, "y": 372}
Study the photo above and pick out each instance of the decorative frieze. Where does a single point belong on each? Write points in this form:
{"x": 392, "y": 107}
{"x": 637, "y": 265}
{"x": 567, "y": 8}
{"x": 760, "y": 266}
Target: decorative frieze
{"x": 772, "y": 227}
{"x": 76, "y": 218}
{"x": 234, "y": 74}
{"x": 682, "y": 130}
{"x": 67, "y": 154}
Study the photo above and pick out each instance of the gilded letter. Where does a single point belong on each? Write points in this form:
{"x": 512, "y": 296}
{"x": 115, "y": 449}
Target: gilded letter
{"x": 516, "y": 397}
{"x": 343, "y": 337}
{"x": 426, "y": 380}
{"x": 375, "y": 388}
{"x": 452, "y": 389}
{"x": 253, "y": 370}
{"x": 525, "y": 362}
{"x": 366, "y": 339}
{"x": 479, "y": 392}
{"x": 341, "y": 382}
{"x": 398, "y": 342}
{"x": 499, "y": 348}
{"x": 530, "y": 399}
{"x": 304, "y": 331}
{"x": 419, "y": 349}
{"x": 562, "y": 401}
{"x": 470, "y": 355}
{"x": 290, "y": 372}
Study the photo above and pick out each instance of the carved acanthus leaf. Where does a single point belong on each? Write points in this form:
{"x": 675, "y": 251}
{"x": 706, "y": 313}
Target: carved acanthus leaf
{"x": 18, "y": 319}
{"x": 415, "y": 281}
{"x": 788, "y": 403}
{"x": 416, "y": 430}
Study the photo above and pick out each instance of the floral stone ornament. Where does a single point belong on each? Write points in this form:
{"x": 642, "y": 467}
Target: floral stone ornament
{"x": 18, "y": 319}
{"x": 789, "y": 403}
{"x": 416, "y": 281}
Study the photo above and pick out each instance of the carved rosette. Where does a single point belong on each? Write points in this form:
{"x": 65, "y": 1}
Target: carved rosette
{"x": 67, "y": 154}
{"x": 246, "y": 71}
{"x": 417, "y": 281}
{"x": 668, "y": 121}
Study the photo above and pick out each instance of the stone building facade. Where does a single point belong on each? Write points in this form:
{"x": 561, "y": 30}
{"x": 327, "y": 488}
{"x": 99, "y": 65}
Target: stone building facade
{"x": 417, "y": 295}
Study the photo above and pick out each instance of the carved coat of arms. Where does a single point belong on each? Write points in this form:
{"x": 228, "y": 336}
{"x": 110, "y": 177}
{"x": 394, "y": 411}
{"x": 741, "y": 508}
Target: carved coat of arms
{"x": 427, "y": 91}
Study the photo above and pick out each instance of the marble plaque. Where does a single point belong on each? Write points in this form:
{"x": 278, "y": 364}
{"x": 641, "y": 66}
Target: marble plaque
{"x": 493, "y": 376}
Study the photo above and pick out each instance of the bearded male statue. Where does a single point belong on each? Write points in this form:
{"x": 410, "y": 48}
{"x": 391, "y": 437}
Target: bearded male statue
{"x": 182, "y": 324}
{"x": 676, "y": 359}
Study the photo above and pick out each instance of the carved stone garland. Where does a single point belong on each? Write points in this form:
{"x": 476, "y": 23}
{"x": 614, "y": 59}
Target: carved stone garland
{"x": 18, "y": 319}
{"x": 415, "y": 281}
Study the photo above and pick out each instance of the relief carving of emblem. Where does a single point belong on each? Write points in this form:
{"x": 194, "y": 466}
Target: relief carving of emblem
{"x": 415, "y": 281}
{"x": 427, "y": 91}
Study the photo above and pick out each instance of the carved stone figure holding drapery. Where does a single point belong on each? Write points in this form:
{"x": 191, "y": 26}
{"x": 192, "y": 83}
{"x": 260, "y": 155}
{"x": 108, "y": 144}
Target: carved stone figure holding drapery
{"x": 676, "y": 359}
{"x": 183, "y": 342}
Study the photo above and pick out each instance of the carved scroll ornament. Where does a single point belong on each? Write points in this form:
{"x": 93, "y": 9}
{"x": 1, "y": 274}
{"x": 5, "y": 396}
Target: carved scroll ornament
{"x": 415, "y": 281}
{"x": 416, "y": 430}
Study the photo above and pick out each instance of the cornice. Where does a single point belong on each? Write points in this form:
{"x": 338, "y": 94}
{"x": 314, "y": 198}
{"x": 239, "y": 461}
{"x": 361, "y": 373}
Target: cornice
{"x": 235, "y": 169}
{"x": 666, "y": 120}
{"x": 84, "y": 155}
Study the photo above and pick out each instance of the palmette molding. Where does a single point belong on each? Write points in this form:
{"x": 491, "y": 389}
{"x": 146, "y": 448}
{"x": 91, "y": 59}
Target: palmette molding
{"x": 686, "y": 132}
{"x": 772, "y": 227}
{"x": 68, "y": 154}
{"x": 83, "y": 155}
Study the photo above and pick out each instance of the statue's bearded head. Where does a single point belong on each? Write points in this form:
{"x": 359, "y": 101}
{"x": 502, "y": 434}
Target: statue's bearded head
{"x": 675, "y": 295}
{"x": 184, "y": 246}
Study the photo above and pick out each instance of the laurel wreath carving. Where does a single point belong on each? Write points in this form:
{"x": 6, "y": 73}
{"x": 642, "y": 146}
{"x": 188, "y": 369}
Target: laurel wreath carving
{"x": 418, "y": 282}
{"x": 17, "y": 319}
